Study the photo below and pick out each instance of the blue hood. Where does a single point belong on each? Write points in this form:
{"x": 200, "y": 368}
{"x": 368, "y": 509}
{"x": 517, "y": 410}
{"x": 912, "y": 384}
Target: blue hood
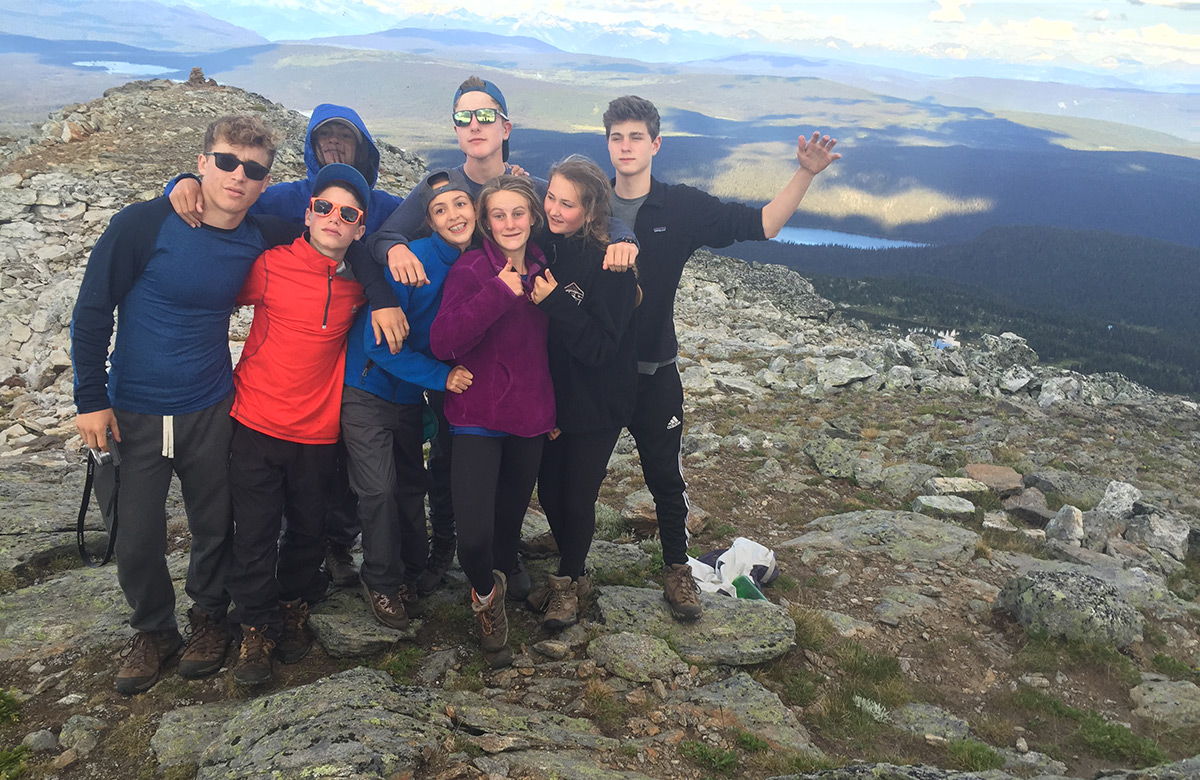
{"x": 367, "y": 156}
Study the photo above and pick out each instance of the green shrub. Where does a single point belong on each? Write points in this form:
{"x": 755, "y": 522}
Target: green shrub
{"x": 972, "y": 756}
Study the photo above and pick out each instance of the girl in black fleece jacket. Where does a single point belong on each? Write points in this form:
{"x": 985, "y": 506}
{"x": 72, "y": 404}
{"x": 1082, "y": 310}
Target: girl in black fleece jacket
{"x": 593, "y": 362}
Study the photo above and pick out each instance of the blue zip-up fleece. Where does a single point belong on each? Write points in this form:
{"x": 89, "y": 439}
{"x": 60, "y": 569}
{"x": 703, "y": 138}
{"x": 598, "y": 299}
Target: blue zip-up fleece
{"x": 402, "y": 378}
{"x": 290, "y": 199}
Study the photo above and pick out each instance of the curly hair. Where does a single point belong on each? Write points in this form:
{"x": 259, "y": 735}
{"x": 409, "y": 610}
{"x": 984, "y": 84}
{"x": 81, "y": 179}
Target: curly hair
{"x": 594, "y": 191}
{"x": 242, "y": 130}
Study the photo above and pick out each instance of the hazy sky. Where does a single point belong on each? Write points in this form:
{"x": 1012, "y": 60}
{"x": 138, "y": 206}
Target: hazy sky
{"x": 1099, "y": 33}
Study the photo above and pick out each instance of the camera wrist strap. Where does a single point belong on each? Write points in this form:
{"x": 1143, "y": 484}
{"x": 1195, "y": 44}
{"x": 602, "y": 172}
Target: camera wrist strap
{"x": 112, "y": 512}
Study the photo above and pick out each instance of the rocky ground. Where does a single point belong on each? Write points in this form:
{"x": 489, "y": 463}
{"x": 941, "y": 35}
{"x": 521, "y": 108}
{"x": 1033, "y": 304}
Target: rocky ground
{"x": 988, "y": 566}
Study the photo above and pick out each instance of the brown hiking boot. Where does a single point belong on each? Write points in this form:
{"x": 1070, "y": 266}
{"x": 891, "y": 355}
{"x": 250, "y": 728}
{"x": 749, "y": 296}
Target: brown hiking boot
{"x": 207, "y": 644}
{"x": 144, "y": 657}
{"x": 493, "y": 624}
{"x": 540, "y": 546}
{"x": 387, "y": 609}
{"x": 563, "y": 608}
{"x": 539, "y": 598}
{"x": 339, "y": 565}
{"x": 441, "y": 555}
{"x": 254, "y": 657}
{"x": 681, "y": 592}
{"x": 295, "y": 641}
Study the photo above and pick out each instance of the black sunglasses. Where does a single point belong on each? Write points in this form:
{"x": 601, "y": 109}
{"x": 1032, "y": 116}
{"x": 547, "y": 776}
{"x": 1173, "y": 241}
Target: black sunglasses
{"x": 348, "y": 214}
{"x": 462, "y": 117}
{"x": 230, "y": 162}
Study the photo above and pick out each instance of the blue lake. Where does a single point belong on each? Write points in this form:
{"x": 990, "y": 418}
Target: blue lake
{"x": 812, "y": 237}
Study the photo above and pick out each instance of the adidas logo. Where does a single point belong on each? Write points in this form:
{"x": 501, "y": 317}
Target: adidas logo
{"x": 674, "y": 423}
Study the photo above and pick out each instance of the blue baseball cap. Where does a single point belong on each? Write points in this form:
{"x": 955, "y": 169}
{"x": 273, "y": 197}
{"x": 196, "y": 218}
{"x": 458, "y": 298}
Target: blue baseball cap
{"x": 347, "y": 176}
{"x": 492, "y": 91}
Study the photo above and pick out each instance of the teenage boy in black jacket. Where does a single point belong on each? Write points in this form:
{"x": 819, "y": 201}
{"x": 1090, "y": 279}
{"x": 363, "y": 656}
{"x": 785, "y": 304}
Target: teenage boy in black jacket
{"x": 671, "y": 221}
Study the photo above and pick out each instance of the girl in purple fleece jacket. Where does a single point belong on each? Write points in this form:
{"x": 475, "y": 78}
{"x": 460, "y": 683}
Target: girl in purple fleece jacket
{"x": 489, "y": 324}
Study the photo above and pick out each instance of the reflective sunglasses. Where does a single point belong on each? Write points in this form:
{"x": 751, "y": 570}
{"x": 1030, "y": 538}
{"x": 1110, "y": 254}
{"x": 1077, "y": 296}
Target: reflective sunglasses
{"x": 486, "y": 116}
{"x": 229, "y": 163}
{"x": 348, "y": 214}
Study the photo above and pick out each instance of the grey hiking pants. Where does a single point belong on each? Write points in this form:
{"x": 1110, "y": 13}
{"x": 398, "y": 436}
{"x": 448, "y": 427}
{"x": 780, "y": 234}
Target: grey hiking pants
{"x": 201, "y": 460}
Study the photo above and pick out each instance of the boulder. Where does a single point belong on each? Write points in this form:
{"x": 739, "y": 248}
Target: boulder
{"x": 1071, "y": 605}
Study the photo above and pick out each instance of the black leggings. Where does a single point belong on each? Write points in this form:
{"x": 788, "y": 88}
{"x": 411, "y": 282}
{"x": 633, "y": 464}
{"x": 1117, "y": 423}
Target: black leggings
{"x": 573, "y": 468}
{"x": 491, "y": 482}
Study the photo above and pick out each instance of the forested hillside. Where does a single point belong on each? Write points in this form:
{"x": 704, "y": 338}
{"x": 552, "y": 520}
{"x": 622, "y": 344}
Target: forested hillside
{"x": 1090, "y": 300}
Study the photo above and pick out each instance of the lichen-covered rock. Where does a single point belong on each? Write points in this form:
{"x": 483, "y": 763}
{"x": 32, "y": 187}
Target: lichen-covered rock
{"x": 1071, "y": 605}
{"x": 738, "y": 632}
{"x": 833, "y": 457}
{"x": 1076, "y": 489}
{"x": 565, "y": 764}
{"x": 924, "y": 719}
{"x": 1175, "y": 703}
{"x": 1160, "y": 532}
{"x": 904, "y": 478}
{"x": 345, "y": 628}
{"x": 356, "y": 723}
{"x": 185, "y": 732}
{"x": 754, "y": 708}
{"x": 478, "y": 714}
{"x": 894, "y": 772}
{"x": 948, "y": 507}
{"x": 635, "y": 657}
{"x": 81, "y": 733}
{"x": 1066, "y": 526}
{"x": 901, "y": 536}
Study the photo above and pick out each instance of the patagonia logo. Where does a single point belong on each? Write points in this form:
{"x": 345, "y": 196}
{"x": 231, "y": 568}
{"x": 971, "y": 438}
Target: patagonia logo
{"x": 575, "y": 292}
{"x": 662, "y": 229}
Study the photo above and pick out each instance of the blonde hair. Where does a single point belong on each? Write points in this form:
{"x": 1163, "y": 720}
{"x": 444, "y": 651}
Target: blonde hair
{"x": 522, "y": 186}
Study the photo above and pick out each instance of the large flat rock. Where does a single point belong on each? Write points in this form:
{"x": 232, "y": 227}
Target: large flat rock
{"x": 732, "y": 631}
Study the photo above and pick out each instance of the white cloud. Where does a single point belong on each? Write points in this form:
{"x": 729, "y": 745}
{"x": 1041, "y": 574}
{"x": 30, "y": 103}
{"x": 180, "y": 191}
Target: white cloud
{"x": 1042, "y": 30}
{"x": 949, "y": 11}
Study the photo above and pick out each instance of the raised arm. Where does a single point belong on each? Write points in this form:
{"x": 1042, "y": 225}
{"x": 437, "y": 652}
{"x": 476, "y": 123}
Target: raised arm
{"x": 814, "y": 156}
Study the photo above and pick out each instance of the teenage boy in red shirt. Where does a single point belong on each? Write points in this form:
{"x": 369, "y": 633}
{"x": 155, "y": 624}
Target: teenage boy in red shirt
{"x": 287, "y": 401}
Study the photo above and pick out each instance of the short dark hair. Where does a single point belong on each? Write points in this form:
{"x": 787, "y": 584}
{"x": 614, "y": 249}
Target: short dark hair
{"x": 523, "y": 186}
{"x": 595, "y": 194}
{"x": 632, "y": 108}
{"x": 242, "y": 130}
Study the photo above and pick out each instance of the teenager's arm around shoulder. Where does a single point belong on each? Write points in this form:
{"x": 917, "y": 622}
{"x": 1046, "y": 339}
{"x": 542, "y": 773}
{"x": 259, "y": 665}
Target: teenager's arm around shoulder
{"x": 116, "y": 262}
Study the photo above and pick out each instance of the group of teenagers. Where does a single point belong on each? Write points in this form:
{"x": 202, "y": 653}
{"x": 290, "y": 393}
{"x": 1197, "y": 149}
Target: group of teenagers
{"x": 518, "y": 324}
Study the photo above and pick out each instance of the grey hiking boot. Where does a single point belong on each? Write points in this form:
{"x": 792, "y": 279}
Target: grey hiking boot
{"x": 254, "y": 657}
{"x": 681, "y": 592}
{"x": 519, "y": 583}
{"x": 563, "y": 607}
{"x": 143, "y": 659}
{"x": 339, "y": 565}
{"x": 493, "y": 624}
{"x": 540, "y": 546}
{"x": 295, "y": 641}
{"x": 207, "y": 645}
{"x": 441, "y": 555}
